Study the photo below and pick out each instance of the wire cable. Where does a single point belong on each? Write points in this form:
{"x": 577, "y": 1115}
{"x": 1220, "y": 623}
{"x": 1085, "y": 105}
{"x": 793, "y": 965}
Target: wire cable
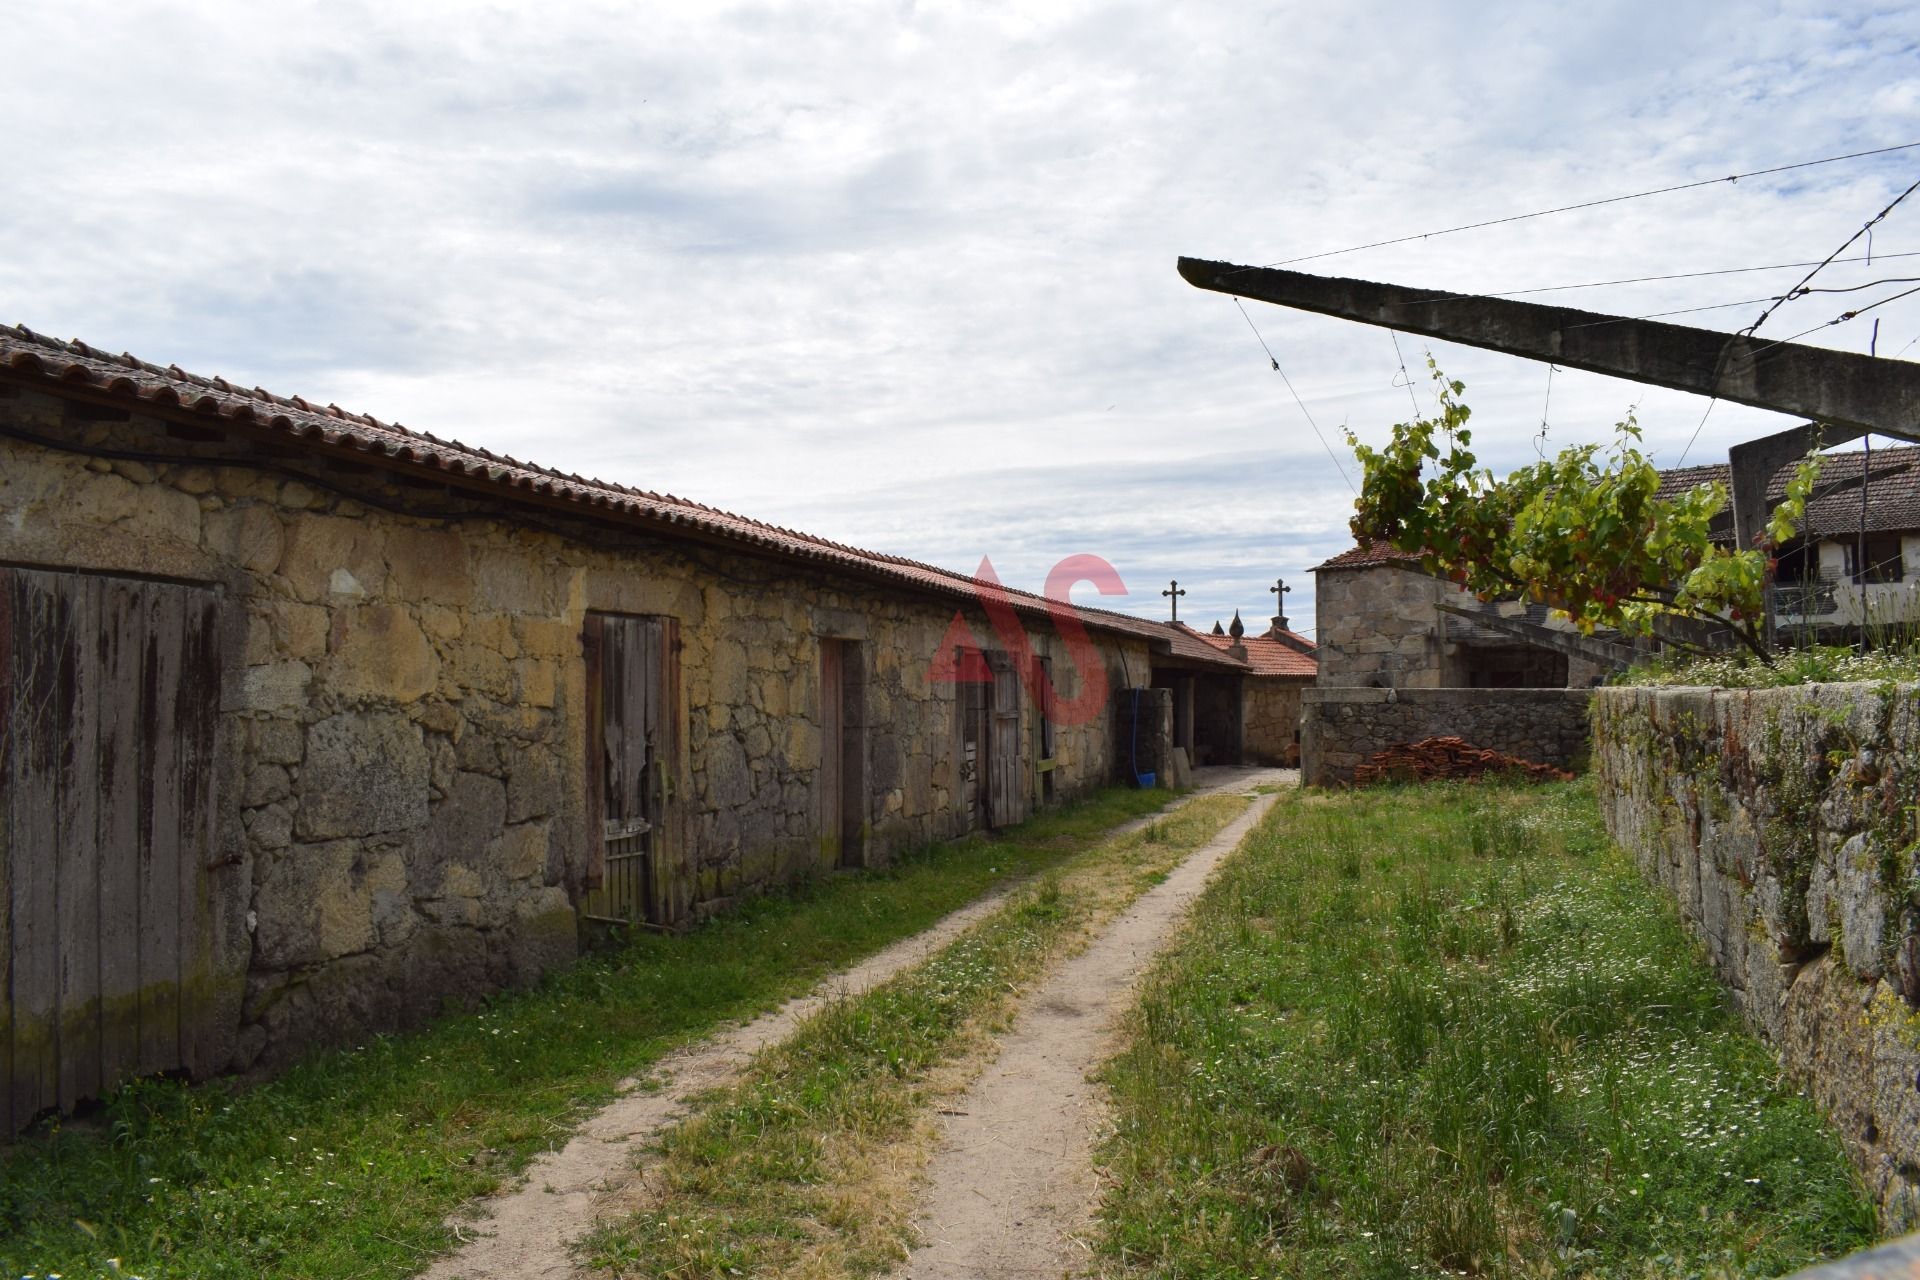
{"x": 1296, "y": 395}
{"x": 1591, "y": 204}
{"x": 1406, "y": 379}
{"x": 1719, "y": 364}
{"x": 1842, "y": 318}
{"x": 1865, "y": 230}
{"x": 1607, "y": 284}
{"x": 1747, "y": 302}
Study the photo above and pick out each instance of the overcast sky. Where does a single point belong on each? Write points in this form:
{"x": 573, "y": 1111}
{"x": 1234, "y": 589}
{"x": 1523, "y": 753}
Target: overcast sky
{"x": 903, "y": 275}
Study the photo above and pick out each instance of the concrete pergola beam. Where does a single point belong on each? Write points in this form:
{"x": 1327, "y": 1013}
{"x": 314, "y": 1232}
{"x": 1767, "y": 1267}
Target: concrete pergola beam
{"x": 1833, "y": 387}
{"x": 1753, "y": 463}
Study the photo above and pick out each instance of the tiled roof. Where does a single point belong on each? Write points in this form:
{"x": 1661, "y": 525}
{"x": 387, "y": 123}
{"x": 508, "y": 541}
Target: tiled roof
{"x": 1267, "y": 656}
{"x": 1892, "y": 481}
{"x": 1369, "y": 554}
{"x": 328, "y": 428}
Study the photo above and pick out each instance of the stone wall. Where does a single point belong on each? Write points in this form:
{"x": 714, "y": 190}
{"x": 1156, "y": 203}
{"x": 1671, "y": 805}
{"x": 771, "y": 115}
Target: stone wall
{"x": 402, "y": 798}
{"x": 1272, "y": 726}
{"x": 1377, "y": 626}
{"x": 1783, "y": 822}
{"x": 1341, "y": 728}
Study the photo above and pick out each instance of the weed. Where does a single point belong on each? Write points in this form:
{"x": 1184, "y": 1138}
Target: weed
{"x": 1496, "y": 1053}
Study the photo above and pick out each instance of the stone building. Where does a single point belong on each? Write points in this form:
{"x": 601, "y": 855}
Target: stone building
{"x": 1385, "y": 623}
{"x": 1280, "y": 664}
{"x": 1853, "y": 572}
{"x": 1406, "y": 656}
{"x": 313, "y": 722}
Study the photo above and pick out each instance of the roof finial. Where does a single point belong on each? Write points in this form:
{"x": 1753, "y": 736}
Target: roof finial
{"x": 1236, "y": 628}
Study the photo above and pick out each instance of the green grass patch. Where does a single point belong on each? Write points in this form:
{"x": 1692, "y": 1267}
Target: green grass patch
{"x": 803, "y": 1168}
{"x": 348, "y": 1164}
{"x": 1449, "y": 1030}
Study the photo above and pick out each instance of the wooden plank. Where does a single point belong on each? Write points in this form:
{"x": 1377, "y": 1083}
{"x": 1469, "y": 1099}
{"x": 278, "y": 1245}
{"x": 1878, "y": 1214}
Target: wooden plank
{"x": 973, "y": 758}
{"x": 123, "y": 632}
{"x": 39, "y": 617}
{"x": 1007, "y": 793}
{"x": 670, "y": 892}
{"x": 827, "y": 786}
{"x": 77, "y": 871}
{"x": 594, "y": 861}
{"x": 641, "y": 739}
{"x": 196, "y": 720}
{"x": 9, "y": 680}
{"x": 853, "y": 753}
{"x": 159, "y": 851}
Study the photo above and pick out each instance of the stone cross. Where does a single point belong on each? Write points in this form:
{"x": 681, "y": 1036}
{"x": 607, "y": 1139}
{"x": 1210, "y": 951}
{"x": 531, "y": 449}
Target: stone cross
{"x": 1279, "y": 591}
{"x": 1173, "y": 593}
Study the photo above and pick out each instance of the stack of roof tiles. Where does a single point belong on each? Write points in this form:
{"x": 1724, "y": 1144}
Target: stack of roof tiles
{"x": 1436, "y": 759}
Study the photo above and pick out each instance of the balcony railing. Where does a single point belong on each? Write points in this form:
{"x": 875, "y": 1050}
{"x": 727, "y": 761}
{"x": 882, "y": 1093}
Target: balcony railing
{"x": 1840, "y": 602}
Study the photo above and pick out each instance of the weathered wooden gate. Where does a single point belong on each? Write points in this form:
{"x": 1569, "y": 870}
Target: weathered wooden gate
{"x": 974, "y": 713}
{"x": 1007, "y": 790}
{"x": 110, "y": 888}
{"x": 632, "y": 692}
{"x": 842, "y": 785}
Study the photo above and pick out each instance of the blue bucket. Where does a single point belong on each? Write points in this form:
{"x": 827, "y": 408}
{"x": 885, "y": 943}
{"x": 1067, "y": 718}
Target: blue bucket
{"x": 1146, "y": 780}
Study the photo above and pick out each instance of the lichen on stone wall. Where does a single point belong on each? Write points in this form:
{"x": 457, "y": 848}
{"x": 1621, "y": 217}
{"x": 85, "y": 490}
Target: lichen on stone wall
{"x": 1782, "y": 822}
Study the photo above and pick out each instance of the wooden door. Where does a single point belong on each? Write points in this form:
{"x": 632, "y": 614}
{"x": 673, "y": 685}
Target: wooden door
{"x": 971, "y": 811}
{"x": 631, "y": 762}
{"x": 830, "y": 785}
{"x": 1043, "y": 736}
{"x": 1006, "y": 801}
{"x": 111, "y": 892}
{"x": 843, "y": 753}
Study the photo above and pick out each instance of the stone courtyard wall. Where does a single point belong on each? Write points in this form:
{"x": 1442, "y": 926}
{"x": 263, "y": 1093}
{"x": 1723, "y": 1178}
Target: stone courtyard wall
{"x": 1783, "y": 822}
{"x": 1271, "y": 732}
{"x": 1341, "y": 728}
{"x": 402, "y": 790}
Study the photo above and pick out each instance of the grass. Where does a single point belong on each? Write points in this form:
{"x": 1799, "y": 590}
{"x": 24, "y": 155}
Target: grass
{"x": 805, "y": 1168}
{"x": 348, "y": 1164}
{"x": 1450, "y": 1031}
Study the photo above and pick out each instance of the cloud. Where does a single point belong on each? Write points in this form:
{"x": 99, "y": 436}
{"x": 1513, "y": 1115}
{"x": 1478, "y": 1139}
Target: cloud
{"x": 904, "y": 274}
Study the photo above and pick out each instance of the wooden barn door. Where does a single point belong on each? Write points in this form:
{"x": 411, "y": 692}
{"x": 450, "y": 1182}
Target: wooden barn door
{"x": 631, "y": 721}
{"x": 1007, "y": 794}
{"x": 831, "y": 784}
{"x": 110, "y": 890}
{"x": 971, "y": 811}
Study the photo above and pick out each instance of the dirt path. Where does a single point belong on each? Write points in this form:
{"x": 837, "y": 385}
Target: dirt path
{"x": 1011, "y": 1187}
{"x": 529, "y": 1227}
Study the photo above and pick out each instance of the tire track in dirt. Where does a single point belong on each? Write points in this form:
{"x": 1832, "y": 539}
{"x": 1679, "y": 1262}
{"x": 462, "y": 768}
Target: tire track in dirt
{"x": 1011, "y": 1188}
{"x": 528, "y": 1228}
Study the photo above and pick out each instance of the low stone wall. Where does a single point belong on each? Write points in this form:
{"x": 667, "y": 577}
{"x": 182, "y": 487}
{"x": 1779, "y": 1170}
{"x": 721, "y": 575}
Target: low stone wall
{"x": 1783, "y": 821}
{"x": 1341, "y": 728}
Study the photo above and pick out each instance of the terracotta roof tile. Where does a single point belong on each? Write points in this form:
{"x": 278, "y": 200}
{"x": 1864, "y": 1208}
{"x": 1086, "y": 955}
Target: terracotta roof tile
{"x": 296, "y": 420}
{"x": 1892, "y": 479}
{"x": 1372, "y": 553}
{"x": 1269, "y": 656}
